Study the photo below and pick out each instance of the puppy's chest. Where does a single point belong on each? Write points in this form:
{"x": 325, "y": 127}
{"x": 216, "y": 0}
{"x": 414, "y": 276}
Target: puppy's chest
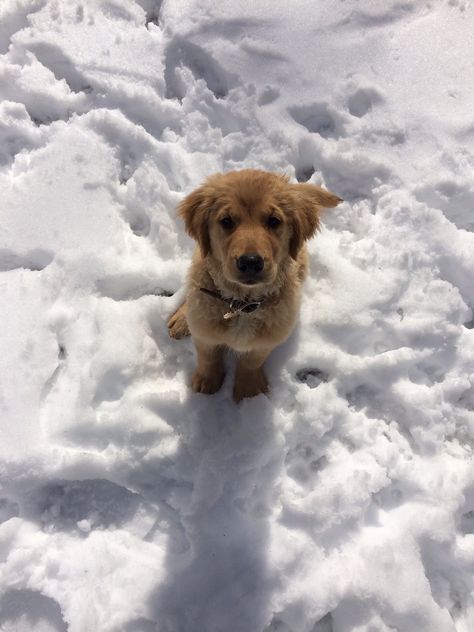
{"x": 246, "y": 332}
{"x": 241, "y": 332}
{"x": 244, "y": 327}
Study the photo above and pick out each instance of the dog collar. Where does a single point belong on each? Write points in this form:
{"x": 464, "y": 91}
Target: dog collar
{"x": 236, "y": 306}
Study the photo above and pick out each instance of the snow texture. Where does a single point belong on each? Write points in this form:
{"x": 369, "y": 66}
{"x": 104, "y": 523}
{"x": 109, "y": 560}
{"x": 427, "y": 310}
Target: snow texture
{"x": 343, "y": 502}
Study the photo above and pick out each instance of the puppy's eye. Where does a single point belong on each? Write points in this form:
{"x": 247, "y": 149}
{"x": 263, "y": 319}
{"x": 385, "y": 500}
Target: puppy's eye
{"x": 227, "y": 223}
{"x": 273, "y": 222}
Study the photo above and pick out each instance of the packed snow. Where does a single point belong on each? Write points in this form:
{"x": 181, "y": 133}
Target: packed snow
{"x": 344, "y": 501}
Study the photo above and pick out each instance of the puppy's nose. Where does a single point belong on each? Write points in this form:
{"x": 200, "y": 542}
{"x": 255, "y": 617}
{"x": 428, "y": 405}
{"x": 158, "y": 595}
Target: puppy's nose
{"x": 251, "y": 264}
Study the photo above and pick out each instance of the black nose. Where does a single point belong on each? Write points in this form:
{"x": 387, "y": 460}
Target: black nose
{"x": 251, "y": 264}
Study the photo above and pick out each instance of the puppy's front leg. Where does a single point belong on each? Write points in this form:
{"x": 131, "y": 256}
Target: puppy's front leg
{"x": 250, "y": 378}
{"x": 210, "y": 372}
{"x": 177, "y": 323}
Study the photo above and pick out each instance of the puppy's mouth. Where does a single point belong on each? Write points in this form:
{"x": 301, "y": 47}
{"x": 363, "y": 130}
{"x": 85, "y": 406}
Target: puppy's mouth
{"x": 250, "y": 281}
{"x": 253, "y": 281}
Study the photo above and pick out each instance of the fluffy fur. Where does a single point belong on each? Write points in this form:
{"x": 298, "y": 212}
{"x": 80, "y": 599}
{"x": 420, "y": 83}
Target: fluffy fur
{"x": 233, "y": 215}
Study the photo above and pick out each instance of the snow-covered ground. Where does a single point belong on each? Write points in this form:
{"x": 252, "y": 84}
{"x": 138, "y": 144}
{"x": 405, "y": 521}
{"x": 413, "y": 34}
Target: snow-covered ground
{"x": 344, "y": 502}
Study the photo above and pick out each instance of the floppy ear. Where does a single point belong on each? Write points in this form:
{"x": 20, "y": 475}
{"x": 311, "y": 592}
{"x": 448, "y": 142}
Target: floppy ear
{"x": 195, "y": 210}
{"x": 307, "y": 202}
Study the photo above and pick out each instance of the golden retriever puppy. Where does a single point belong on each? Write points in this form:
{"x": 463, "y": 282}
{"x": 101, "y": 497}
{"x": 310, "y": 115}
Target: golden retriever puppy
{"x": 244, "y": 284}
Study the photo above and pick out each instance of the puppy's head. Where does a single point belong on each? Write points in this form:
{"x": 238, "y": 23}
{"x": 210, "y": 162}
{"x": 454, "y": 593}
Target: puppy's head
{"x": 252, "y": 221}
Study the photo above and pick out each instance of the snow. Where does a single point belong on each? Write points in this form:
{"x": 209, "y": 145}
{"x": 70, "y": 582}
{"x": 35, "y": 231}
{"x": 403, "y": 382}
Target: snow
{"x": 343, "y": 502}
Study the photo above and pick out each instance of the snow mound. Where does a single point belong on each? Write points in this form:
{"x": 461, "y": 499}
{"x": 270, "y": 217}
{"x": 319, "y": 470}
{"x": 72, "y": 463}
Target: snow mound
{"x": 344, "y": 502}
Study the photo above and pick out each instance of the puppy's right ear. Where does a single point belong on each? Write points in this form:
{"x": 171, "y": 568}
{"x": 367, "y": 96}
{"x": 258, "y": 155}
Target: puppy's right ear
{"x": 195, "y": 210}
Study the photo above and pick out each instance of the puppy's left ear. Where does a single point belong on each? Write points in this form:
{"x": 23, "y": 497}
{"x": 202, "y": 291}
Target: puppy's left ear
{"x": 307, "y": 202}
{"x": 195, "y": 210}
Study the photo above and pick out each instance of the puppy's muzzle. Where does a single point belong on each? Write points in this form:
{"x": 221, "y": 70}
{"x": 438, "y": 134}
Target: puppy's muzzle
{"x": 250, "y": 267}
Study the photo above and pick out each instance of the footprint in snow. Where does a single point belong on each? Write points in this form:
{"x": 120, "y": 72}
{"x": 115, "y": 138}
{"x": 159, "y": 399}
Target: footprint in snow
{"x": 84, "y": 505}
{"x": 311, "y": 377}
{"x": 34, "y": 260}
{"x": 8, "y": 509}
{"x": 129, "y": 287}
{"x": 318, "y": 118}
{"x": 181, "y": 52}
{"x": 29, "y": 610}
{"x": 362, "y": 101}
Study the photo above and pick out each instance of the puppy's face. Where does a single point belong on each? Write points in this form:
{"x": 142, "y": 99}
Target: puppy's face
{"x": 252, "y": 221}
{"x": 249, "y": 236}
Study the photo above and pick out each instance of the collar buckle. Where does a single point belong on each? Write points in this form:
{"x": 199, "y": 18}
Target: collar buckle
{"x": 237, "y": 305}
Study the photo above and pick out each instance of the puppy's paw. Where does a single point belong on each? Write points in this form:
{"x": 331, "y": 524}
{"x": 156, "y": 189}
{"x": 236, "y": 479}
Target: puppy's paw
{"x": 208, "y": 383}
{"x": 249, "y": 384}
{"x": 177, "y": 325}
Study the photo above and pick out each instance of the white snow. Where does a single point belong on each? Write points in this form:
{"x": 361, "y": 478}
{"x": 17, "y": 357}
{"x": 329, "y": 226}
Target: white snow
{"x": 344, "y": 502}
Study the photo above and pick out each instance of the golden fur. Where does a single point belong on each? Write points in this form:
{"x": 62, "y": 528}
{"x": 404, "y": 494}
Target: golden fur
{"x": 237, "y": 215}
